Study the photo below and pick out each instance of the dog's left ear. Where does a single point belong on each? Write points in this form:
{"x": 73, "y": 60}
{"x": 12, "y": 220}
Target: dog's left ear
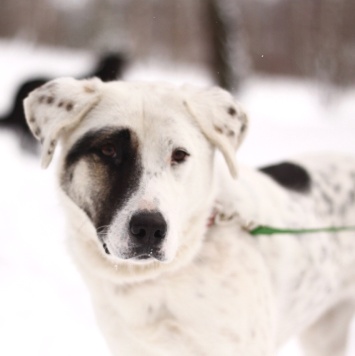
{"x": 220, "y": 118}
{"x": 57, "y": 107}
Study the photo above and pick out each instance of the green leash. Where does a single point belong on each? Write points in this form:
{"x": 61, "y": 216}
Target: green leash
{"x": 269, "y": 230}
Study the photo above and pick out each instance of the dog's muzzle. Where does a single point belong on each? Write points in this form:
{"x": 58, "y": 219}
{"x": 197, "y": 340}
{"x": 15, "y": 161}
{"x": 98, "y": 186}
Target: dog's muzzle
{"x": 147, "y": 231}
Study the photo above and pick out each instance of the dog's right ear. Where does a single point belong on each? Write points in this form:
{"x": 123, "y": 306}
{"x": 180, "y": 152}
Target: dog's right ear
{"x": 59, "y": 106}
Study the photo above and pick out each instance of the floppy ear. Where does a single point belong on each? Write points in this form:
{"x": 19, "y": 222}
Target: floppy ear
{"x": 59, "y": 106}
{"x": 220, "y": 118}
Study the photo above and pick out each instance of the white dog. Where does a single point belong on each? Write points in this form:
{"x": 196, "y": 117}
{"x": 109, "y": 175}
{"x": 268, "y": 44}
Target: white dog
{"x": 163, "y": 244}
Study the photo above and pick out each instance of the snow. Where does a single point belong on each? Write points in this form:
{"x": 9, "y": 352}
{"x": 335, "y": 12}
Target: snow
{"x": 290, "y": 117}
{"x": 45, "y": 309}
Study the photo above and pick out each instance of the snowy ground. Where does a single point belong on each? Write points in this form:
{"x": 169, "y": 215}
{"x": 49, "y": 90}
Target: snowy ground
{"x": 44, "y": 307}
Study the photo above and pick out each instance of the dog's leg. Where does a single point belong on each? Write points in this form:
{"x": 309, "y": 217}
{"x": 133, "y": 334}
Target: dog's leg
{"x": 328, "y": 335}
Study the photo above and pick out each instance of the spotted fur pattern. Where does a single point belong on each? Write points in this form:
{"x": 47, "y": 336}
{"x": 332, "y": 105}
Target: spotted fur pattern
{"x": 129, "y": 148}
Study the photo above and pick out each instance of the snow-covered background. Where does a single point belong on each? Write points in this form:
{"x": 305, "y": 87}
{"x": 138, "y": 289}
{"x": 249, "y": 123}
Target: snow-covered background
{"x": 44, "y": 307}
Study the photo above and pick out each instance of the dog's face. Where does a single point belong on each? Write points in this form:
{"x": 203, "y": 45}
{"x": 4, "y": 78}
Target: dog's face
{"x": 137, "y": 158}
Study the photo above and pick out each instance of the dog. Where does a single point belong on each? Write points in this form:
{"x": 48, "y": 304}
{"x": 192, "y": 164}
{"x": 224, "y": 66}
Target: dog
{"x": 110, "y": 66}
{"x": 160, "y": 229}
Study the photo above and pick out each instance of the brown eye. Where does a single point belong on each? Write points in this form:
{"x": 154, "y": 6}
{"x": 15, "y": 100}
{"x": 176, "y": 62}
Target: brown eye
{"x": 179, "y": 156}
{"x": 108, "y": 150}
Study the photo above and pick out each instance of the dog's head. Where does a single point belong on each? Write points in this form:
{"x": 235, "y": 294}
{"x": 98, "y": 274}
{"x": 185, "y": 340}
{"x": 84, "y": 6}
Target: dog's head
{"x": 137, "y": 158}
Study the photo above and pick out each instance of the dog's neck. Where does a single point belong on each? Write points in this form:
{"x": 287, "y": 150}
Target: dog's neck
{"x": 243, "y": 201}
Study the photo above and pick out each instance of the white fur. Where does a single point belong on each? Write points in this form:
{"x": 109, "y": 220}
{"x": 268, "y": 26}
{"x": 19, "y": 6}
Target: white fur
{"x": 219, "y": 291}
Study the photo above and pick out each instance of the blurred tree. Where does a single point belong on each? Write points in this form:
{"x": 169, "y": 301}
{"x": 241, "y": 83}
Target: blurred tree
{"x": 327, "y": 40}
{"x": 286, "y": 37}
{"x": 227, "y": 45}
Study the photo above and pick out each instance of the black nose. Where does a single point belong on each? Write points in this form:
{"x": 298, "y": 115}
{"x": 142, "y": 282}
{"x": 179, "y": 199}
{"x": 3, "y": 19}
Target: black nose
{"x": 147, "y": 228}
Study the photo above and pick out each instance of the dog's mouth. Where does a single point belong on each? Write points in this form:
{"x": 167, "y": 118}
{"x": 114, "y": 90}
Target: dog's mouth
{"x": 140, "y": 254}
{"x": 145, "y": 255}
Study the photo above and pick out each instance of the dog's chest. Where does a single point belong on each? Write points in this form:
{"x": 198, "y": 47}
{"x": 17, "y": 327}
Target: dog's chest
{"x": 210, "y": 296}
{"x": 179, "y": 297}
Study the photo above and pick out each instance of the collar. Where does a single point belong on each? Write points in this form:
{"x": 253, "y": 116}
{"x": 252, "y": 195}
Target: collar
{"x": 219, "y": 217}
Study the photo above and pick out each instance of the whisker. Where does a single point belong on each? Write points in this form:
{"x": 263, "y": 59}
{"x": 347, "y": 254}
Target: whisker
{"x": 102, "y": 231}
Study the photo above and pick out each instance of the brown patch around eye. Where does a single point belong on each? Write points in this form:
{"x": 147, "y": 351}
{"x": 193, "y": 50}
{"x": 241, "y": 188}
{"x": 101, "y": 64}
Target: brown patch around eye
{"x": 110, "y": 180}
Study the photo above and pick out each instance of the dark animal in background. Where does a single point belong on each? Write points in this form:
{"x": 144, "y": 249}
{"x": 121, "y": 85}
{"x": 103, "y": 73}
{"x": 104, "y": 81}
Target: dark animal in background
{"x": 111, "y": 66}
{"x": 15, "y": 119}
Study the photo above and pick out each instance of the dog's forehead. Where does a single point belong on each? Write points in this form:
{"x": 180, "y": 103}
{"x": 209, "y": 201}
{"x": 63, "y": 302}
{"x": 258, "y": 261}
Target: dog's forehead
{"x": 142, "y": 107}
{"x": 141, "y": 101}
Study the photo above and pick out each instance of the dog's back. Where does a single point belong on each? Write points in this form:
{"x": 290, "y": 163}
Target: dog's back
{"x": 314, "y": 273}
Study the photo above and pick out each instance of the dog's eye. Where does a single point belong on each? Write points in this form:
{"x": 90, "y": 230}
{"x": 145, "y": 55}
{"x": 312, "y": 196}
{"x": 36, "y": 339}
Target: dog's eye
{"x": 108, "y": 150}
{"x": 179, "y": 155}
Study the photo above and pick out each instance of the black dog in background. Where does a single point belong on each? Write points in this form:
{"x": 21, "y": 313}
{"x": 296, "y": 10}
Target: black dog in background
{"x": 111, "y": 66}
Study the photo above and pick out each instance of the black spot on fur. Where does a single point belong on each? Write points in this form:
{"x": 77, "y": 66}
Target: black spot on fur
{"x": 289, "y": 175}
{"x": 50, "y": 99}
{"x": 69, "y": 106}
{"x": 328, "y": 201}
{"x": 232, "y": 111}
{"x": 337, "y": 188}
{"x": 41, "y": 98}
{"x": 218, "y": 129}
{"x": 113, "y": 179}
{"x": 37, "y": 132}
{"x": 326, "y": 178}
{"x": 150, "y": 310}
